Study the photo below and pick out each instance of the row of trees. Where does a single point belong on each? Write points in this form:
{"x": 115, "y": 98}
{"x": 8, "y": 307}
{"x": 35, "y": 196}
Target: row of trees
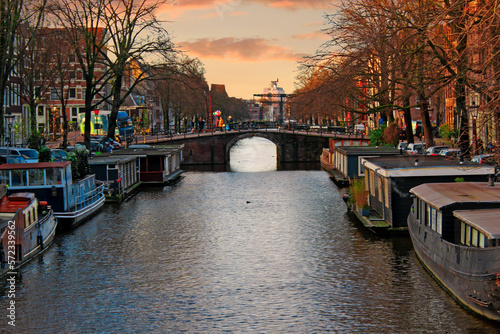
{"x": 114, "y": 47}
{"x": 383, "y": 52}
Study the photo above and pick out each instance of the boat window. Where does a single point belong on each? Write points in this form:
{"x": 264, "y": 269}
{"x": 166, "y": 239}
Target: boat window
{"x": 467, "y": 235}
{"x": 379, "y": 188}
{"x": 428, "y": 215}
{"x": 386, "y": 193}
{"x": 53, "y": 176}
{"x": 36, "y": 177}
{"x": 462, "y": 233}
{"x": 372, "y": 183}
{"x": 481, "y": 240}
{"x": 439, "y": 221}
{"x": 18, "y": 177}
{"x": 4, "y": 177}
{"x": 422, "y": 212}
{"x": 474, "y": 240}
{"x": 433, "y": 218}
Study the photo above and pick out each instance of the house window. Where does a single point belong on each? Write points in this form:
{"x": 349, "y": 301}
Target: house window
{"x": 54, "y": 94}
{"x": 40, "y": 110}
{"x": 74, "y": 112}
{"x": 72, "y": 93}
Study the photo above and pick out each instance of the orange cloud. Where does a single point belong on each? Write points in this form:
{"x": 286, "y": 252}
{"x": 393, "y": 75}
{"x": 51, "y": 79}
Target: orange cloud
{"x": 236, "y": 49}
{"x": 287, "y": 4}
{"x": 312, "y": 35}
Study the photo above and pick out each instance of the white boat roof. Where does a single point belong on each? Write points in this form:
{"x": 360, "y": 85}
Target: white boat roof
{"x": 442, "y": 194}
{"x": 423, "y": 166}
{"x": 487, "y": 221}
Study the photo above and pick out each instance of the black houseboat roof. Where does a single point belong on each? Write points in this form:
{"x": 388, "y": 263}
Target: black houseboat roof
{"x": 362, "y": 150}
{"x": 486, "y": 221}
{"x": 424, "y": 165}
{"x": 107, "y": 159}
{"x": 439, "y": 195}
{"x": 147, "y": 151}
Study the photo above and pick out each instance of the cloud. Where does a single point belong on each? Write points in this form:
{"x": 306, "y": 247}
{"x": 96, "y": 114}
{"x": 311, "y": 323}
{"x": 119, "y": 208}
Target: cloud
{"x": 286, "y": 4}
{"x": 312, "y": 35}
{"x": 239, "y": 49}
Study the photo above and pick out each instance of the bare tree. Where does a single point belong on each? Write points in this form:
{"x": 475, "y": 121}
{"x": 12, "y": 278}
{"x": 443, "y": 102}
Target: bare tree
{"x": 135, "y": 35}
{"x": 82, "y": 21}
{"x": 14, "y": 16}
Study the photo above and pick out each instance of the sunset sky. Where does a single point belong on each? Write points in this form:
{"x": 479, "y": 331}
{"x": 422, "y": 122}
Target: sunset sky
{"x": 245, "y": 44}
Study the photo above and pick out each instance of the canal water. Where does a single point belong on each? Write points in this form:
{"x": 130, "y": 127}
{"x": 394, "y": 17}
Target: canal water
{"x": 250, "y": 250}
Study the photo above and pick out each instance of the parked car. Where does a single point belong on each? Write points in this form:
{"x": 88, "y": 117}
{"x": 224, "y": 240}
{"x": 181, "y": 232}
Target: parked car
{"x": 12, "y": 159}
{"x": 451, "y": 152}
{"x": 402, "y": 146}
{"x": 434, "y": 150}
{"x": 484, "y": 159}
{"x": 58, "y": 155}
{"x": 415, "y": 148}
{"x": 29, "y": 154}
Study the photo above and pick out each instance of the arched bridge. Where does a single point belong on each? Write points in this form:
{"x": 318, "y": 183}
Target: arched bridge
{"x": 213, "y": 148}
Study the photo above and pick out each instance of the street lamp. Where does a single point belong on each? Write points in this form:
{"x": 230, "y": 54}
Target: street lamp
{"x": 474, "y": 109}
{"x": 97, "y": 126}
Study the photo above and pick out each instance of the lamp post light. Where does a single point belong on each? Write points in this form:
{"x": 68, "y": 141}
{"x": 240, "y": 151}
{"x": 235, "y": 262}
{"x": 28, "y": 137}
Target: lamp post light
{"x": 474, "y": 109}
{"x": 97, "y": 126}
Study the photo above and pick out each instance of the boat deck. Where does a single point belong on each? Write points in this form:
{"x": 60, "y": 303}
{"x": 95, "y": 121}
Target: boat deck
{"x": 376, "y": 223}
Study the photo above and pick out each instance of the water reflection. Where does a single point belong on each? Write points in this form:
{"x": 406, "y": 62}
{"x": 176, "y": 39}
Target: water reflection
{"x": 261, "y": 252}
{"x": 254, "y": 154}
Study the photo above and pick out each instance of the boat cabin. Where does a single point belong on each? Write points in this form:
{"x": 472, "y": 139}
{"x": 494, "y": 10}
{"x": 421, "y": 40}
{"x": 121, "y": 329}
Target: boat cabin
{"x": 463, "y": 213}
{"x": 49, "y": 181}
{"x": 118, "y": 172}
{"x": 389, "y": 180}
{"x": 328, "y": 155}
{"x": 157, "y": 164}
{"x": 348, "y": 158}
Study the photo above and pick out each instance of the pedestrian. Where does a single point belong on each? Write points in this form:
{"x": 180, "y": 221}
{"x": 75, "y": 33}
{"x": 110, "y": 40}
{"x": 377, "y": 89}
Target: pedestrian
{"x": 201, "y": 125}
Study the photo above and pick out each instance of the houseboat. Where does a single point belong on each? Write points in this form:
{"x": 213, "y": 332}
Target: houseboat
{"x": 119, "y": 173}
{"x": 27, "y": 227}
{"x": 347, "y": 161}
{"x": 455, "y": 230}
{"x": 327, "y": 158}
{"x": 389, "y": 179}
{"x": 73, "y": 201}
{"x": 158, "y": 165}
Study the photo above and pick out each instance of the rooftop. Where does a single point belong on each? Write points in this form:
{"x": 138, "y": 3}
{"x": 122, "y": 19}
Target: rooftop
{"x": 425, "y": 165}
{"x": 485, "y": 220}
{"x": 360, "y": 150}
{"x": 441, "y": 194}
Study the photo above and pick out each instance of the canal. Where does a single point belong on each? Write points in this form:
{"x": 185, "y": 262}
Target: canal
{"x": 250, "y": 250}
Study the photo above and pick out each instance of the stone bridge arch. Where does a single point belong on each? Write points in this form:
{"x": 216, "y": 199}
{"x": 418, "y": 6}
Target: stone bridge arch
{"x": 214, "y": 148}
{"x": 271, "y": 138}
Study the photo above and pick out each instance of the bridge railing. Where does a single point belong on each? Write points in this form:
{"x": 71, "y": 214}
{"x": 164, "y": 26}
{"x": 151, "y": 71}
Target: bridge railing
{"x": 245, "y": 127}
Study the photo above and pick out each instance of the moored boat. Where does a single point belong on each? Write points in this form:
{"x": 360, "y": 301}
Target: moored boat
{"x": 455, "y": 230}
{"x": 73, "y": 201}
{"x": 27, "y": 227}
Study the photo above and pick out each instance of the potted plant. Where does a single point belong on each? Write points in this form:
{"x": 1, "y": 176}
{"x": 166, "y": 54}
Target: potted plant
{"x": 360, "y": 197}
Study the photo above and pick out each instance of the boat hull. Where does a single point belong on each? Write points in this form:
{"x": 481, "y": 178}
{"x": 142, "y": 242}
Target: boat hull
{"x": 71, "y": 219}
{"x": 470, "y": 274}
{"x": 35, "y": 240}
